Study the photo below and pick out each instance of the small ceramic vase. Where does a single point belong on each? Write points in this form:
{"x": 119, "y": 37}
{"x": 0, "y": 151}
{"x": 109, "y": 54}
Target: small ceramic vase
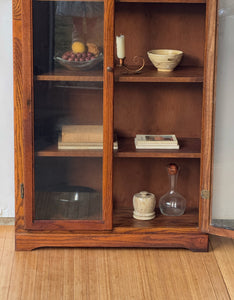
{"x": 144, "y": 206}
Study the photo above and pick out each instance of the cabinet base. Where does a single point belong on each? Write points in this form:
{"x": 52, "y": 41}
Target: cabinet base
{"x": 30, "y": 241}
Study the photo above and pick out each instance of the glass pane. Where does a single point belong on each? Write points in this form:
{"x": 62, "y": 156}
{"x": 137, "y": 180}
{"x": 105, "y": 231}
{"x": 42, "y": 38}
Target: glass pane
{"x": 223, "y": 178}
{"x": 68, "y": 115}
{"x": 68, "y": 35}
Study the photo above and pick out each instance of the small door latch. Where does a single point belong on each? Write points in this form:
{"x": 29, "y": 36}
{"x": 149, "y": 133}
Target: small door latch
{"x": 109, "y": 69}
{"x": 22, "y": 191}
{"x": 205, "y": 194}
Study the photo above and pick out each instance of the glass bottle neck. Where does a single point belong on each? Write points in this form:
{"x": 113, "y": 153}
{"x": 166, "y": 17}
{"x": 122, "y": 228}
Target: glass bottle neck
{"x": 173, "y": 180}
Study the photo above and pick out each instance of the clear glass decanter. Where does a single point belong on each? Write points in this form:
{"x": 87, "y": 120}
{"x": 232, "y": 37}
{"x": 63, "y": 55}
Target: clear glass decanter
{"x": 172, "y": 203}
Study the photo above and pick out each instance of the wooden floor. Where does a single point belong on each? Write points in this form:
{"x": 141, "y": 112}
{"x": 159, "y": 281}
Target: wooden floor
{"x": 116, "y": 273}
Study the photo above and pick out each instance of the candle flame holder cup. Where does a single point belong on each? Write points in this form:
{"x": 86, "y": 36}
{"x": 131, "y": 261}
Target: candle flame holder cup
{"x": 131, "y": 70}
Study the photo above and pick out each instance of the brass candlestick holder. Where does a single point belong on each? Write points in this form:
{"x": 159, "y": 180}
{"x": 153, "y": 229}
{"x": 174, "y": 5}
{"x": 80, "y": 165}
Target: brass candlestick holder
{"x": 131, "y": 70}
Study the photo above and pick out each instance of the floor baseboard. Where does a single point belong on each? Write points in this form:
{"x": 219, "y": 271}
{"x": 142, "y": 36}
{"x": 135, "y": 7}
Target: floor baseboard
{"x": 7, "y": 221}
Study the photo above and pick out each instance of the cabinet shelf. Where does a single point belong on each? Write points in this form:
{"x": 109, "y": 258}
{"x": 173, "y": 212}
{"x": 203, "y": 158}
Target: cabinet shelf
{"x": 50, "y": 207}
{"x": 52, "y": 151}
{"x": 123, "y": 222}
{"x": 68, "y": 75}
{"x": 150, "y": 74}
{"x": 189, "y": 148}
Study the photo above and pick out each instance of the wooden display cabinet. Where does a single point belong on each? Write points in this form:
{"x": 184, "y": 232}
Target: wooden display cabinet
{"x": 48, "y": 95}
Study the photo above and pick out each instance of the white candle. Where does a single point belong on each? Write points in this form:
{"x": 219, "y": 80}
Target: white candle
{"x": 120, "y": 45}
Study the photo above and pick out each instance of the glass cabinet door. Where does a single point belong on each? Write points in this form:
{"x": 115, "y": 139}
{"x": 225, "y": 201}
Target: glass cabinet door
{"x": 69, "y": 147}
{"x": 223, "y": 176}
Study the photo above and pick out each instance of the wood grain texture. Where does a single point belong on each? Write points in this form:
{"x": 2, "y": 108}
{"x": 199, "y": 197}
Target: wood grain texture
{"x": 17, "y": 278}
{"x": 178, "y": 96}
{"x": 68, "y": 75}
{"x": 123, "y": 222}
{"x": 52, "y": 151}
{"x": 223, "y": 250}
{"x": 133, "y": 175}
{"x": 159, "y": 108}
{"x": 221, "y": 231}
{"x": 28, "y": 110}
{"x": 189, "y": 148}
{"x": 207, "y": 111}
{"x": 94, "y": 273}
{"x": 156, "y": 24}
{"x": 207, "y": 265}
{"x": 18, "y": 111}
{"x": 6, "y": 259}
{"x": 150, "y": 74}
{"x": 29, "y": 284}
{"x": 195, "y": 242}
{"x": 108, "y": 95}
{"x": 49, "y": 206}
{"x": 16, "y": 9}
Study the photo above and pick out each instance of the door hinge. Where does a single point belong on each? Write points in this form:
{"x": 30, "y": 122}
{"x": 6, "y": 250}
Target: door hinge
{"x": 22, "y": 190}
{"x": 205, "y": 194}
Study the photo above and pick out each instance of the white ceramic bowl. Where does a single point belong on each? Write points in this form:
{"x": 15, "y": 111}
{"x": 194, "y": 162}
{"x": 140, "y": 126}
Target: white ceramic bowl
{"x": 165, "y": 60}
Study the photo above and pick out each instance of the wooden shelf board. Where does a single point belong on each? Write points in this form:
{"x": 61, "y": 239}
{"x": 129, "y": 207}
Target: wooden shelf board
{"x": 123, "y": 222}
{"x": 49, "y": 208}
{"x": 163, "y": 1}
{"x": 150, "y": 74}
{"x": 189, "y": 148}
{"x": 68, "y": 75}
{"x": 52, "y": 151}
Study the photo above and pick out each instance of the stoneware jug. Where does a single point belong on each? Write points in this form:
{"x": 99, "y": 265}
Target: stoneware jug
{"x": 144, "y": 206}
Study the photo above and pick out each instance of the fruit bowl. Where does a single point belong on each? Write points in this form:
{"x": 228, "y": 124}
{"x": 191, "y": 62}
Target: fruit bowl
{"x": 80, "y": 65}
{"x": 165, "y": 60}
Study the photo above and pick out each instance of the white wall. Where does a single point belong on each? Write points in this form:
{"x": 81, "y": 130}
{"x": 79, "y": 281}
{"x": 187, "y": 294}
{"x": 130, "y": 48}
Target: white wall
{"x": 6, "y": 112}
{"x": 224, "y": 139}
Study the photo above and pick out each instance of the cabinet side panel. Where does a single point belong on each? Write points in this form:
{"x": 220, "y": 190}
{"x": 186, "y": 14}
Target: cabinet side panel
{"x": 18, "y": 114}
{"x": 28, "y": 110}
{"x": 208, "y": 108}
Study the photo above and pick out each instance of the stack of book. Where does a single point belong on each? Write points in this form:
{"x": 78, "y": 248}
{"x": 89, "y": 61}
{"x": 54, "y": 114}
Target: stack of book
{"x": 82, "y": 137}
{"x": 169, "y": 141}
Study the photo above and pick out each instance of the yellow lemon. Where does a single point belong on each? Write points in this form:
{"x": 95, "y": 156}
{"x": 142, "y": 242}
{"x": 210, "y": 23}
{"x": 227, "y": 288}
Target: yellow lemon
{"x": 78, "y": 47}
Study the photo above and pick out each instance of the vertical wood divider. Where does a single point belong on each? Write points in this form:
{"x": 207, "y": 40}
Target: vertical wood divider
{"x": 108, "y": 95}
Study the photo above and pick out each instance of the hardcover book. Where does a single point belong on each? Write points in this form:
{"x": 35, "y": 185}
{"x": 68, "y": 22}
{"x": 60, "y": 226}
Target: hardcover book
{"x": 149, "y": 147}
{"x": 168, "y": 139}
{"x": 82, "y": 133}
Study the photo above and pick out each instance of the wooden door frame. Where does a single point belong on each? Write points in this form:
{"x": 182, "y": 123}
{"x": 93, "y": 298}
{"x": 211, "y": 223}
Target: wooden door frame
{"x": 208, "y": 123}
{"x": 207, "y": 112}
{"x": 28, "y": 125}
